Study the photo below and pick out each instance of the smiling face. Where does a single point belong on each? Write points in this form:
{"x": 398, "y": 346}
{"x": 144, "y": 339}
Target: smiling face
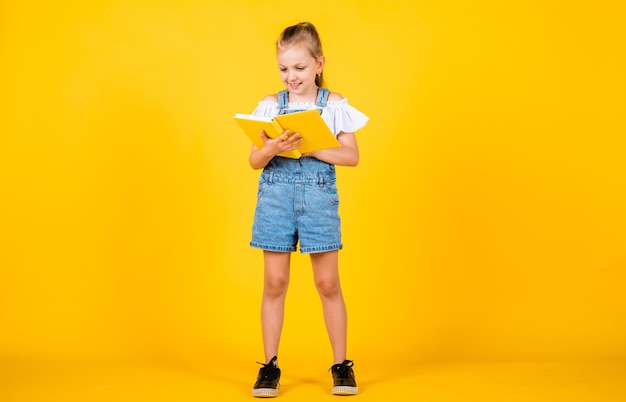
{"x": 298, "y": 69}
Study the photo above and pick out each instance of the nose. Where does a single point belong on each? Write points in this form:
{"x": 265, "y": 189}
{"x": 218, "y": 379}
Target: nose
{"x": 292, "y": 76}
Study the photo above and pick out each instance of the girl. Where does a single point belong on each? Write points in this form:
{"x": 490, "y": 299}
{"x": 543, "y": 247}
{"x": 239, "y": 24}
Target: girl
{"x": 297, "y": 202}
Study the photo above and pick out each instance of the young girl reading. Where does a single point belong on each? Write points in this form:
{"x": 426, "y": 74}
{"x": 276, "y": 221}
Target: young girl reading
{"x": 298, "y": 202}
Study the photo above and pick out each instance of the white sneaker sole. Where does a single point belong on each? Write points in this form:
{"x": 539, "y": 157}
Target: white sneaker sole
{"x": 344, "y": 390}
{"x": 265, "y": 392}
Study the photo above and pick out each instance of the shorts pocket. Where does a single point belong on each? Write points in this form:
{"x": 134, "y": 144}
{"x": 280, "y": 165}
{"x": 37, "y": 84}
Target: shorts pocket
{"x": 262, "y": 187}
{"x": 331, "y": 193}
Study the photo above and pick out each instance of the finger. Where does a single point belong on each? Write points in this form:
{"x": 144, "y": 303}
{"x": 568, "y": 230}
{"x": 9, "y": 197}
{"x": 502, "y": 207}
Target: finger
{"x": 294, "y": 138}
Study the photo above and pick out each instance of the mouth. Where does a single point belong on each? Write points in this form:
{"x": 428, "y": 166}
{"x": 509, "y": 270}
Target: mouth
{"x": 294, "y": 85}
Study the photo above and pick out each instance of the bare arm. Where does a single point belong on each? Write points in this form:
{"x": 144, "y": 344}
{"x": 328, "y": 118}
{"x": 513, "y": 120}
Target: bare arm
{"x": 346, "y": 155}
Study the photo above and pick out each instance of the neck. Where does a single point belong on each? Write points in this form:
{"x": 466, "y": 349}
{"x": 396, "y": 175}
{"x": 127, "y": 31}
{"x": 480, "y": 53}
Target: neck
{"x": 310, "y": 97}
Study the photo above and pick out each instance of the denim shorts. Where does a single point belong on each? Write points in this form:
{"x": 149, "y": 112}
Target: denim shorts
{"x": 297, "y": 201}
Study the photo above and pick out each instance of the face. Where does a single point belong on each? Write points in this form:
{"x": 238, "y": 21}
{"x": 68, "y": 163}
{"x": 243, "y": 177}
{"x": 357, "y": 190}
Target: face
{"x": 298, "y": 70}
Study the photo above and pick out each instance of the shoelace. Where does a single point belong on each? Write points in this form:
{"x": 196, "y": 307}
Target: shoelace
{"x": 342, "y": 368}
{"x": 269, "y": 370}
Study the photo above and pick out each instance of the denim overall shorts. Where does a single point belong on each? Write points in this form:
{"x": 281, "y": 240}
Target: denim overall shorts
{"x": 297, "y": 201}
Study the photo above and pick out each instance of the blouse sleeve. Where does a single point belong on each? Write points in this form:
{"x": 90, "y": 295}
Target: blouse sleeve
{"x": 341, "y": 116}
{"x": 266, "y": 109}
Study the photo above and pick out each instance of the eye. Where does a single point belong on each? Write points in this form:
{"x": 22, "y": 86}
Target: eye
{"x": 283, "y": 69}
{"x": 299, "y": 68}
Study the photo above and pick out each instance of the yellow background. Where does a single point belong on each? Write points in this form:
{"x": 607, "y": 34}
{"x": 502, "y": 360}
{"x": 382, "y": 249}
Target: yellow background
{"x": 486, "y": 220}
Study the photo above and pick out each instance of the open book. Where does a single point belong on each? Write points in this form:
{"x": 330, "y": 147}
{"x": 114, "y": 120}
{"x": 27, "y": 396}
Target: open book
{"x": 312, "y": 128}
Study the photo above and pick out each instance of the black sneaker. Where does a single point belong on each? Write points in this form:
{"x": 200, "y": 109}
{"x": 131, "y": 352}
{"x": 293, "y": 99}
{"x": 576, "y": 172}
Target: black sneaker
{"x": 267, "y": 382}
{"x": 343, "y": 379}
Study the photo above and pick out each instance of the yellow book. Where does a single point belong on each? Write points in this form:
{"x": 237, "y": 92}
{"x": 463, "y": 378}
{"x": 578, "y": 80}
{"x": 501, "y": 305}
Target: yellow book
{"x": 312, "y": 128}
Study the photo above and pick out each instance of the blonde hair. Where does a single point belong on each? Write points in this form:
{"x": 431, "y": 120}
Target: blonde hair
{"x": 303, "y": 33}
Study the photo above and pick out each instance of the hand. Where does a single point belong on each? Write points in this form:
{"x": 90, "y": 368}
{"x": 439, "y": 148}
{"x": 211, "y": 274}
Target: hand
{"x": 282, "y": 143}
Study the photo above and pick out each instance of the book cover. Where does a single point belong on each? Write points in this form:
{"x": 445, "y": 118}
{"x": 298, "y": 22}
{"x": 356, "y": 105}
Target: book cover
{"x": 252, "y": 126}
{"x": 312, "y": 128}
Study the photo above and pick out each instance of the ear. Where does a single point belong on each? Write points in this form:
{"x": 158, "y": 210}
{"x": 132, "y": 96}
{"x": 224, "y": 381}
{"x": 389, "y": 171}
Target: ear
{"x": 320, "y": 63}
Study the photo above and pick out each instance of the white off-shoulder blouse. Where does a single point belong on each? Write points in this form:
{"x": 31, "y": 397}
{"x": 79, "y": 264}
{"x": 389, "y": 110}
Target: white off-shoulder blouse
{"x": 338, "y": 115}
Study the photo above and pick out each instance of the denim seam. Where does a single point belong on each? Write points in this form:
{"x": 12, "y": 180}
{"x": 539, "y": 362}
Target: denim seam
{"x": 272, "y": 248}
{"x": 319, "y": 249}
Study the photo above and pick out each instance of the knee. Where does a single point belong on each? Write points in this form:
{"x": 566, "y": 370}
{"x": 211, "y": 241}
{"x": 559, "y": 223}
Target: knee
{"x": 276, "y": 287}
{"x": 328, "y": 288}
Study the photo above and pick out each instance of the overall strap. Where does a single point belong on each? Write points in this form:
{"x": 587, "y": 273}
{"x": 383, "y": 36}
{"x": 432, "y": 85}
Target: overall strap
{"x": 322, "y": 97}
{"x": 283, "y": 101}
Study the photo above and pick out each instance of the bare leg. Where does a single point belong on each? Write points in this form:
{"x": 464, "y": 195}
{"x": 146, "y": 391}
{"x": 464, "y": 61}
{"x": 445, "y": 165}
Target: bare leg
{"x": 276, "y": 282}
{"x": 326, "y": 274}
